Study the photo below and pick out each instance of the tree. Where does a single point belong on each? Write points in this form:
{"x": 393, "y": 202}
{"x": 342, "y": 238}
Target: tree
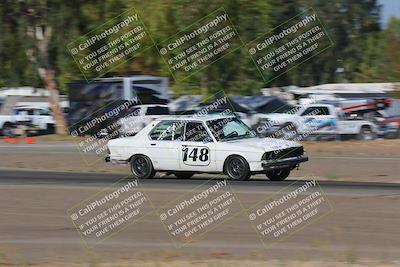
{"x": 353, "y": 26}
{"x": 41, "y": 33}
{"x": 380, "y": 62}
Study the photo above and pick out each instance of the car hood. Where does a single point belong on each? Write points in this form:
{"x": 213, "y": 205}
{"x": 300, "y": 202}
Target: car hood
{"x": 280, "y": 117}
{"x": 258, "y": 144}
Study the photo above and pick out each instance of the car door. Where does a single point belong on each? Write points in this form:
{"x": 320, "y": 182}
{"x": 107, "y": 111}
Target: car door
{"x": 346, "y": 126}
{"x": 318, "y": 120}
{"x": 41, "y": 118}
{"x": 164, "y": 145}
{"x": 197, "y": 151}
{"x": 23, "y": 116}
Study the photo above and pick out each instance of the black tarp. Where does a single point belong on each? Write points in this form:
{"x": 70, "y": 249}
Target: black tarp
{"x": 223, "y": 103}
{"x": 262, "y": 104}
{"x": 187, "y": 103}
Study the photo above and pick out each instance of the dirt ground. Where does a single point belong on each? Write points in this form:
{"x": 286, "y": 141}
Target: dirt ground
{"x": 214, "y": 263}
{"x": 369, "y": 161}
{"x": 361, "y": 230}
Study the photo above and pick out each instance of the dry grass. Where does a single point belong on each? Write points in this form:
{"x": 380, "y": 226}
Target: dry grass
{"x": 211, "y": 263}
{"x": 354, "y": 147}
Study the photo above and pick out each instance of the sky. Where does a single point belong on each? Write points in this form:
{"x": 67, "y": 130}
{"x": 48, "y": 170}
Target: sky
{"x": 389, "y": 8}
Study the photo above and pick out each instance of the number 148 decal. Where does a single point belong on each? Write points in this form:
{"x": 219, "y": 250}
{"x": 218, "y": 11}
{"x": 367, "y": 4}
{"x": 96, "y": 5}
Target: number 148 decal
{"x": 196, "y": 156}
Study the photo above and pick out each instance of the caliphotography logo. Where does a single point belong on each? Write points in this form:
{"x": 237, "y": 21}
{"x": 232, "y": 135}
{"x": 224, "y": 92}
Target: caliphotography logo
{"x": 199, "y": 133}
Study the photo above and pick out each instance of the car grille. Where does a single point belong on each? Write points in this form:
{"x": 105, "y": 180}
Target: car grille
{"x": 284, "y": 153}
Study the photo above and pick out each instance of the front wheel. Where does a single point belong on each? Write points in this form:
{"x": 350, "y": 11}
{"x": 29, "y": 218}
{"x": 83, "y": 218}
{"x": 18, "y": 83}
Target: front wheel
{"x": 237, "y": 168}
{"x": 141, "y": 167}
{"x": 8, "y": 129}
{"x": 278, "y": 175}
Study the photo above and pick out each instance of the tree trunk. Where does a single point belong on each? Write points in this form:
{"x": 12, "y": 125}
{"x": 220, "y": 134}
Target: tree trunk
{"x": 48, "y": 77}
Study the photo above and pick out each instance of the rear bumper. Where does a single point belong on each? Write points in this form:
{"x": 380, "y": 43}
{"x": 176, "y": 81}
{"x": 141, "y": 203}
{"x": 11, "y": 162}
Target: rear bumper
{"x": 283, "y": 163}
{"x": 115, "y": 161}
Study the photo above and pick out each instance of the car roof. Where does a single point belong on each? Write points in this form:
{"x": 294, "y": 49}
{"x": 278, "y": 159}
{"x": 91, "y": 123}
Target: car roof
{"x": 29, "y": 108}
{"x": 153, "y": 105}
{"x": 318, "y": 105}
{"x": 195, "y": 117}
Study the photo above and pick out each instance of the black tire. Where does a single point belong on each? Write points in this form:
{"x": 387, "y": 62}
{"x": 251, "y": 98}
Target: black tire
{"x": 237, "y": 168}
{"x": 50, "y": 129}
{"x": 183, "y": 175}
{"x": 141, "y": 167}
{"x": 392, "y": 135}
{"x": 366, "y": 133}
{"x": 7, "y": 127}
{"x": 278, "y": 175}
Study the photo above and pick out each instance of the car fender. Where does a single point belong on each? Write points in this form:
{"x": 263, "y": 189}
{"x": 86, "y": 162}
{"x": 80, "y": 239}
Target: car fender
{"x": 250, "y": 157}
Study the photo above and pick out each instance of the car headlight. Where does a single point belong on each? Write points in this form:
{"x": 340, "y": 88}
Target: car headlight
{"x": 268, "y": 155}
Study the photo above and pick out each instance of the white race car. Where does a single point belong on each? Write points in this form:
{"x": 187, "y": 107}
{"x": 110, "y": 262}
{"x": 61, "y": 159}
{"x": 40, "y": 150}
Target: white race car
{"x": 187, "y": 145}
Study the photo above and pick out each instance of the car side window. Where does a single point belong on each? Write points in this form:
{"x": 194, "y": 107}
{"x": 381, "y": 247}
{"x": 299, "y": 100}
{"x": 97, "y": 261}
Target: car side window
{"x": 42, "y": 112}
{"x": 196, "y": 132}
{"x": 315, "y": 111}
{"x": 167, "y": 131}
{"x": 22, "y": 112}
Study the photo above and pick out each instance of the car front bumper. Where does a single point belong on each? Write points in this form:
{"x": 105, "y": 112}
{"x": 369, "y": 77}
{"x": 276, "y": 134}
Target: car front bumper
{"x": 283, "y": 163}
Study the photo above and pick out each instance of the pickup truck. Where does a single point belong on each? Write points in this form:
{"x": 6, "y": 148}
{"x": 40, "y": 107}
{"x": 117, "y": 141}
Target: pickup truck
{"x": 140, "y": 116}
{"x": 38, "y": 119}
{"x": 314, "y": 120}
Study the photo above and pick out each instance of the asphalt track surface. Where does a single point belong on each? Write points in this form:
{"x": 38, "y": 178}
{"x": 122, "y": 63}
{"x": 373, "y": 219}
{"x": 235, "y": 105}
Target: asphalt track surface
{"x": 27, "y": 177}
{"x": 363, "y": 223}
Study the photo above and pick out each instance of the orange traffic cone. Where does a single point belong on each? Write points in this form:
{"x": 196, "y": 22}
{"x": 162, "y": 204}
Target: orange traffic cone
{"x": 6, "y": 139}
{"x": 29, "y": 140}
{"x": 14, "y": 140}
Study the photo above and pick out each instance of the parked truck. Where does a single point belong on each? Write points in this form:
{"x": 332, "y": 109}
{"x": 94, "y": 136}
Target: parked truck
{"x": 35, "y": 119}
{"x": 315, "y": 121}
{"x": 140, "y": 116}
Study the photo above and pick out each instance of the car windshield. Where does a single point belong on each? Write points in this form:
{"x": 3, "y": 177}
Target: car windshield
{"x": 230, "y": 128}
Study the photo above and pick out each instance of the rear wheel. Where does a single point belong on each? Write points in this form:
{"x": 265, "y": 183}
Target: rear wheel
{"x": 141, "y": 167}
{"x": 393, "y": 135}
{"x": 183, "y": 175}
{"x": 278, "y": 175}
{"x": 50, "y": 129}
{"x": 237, "y": 168}
{"x": 366, "y": 133}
